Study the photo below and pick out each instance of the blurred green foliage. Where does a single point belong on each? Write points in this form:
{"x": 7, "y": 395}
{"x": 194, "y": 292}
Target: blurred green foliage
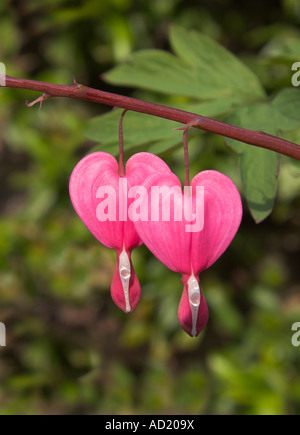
{"x": 69, "y": 349}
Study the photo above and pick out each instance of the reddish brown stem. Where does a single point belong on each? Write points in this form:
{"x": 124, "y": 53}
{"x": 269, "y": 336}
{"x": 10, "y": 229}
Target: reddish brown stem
{"x": 186, "y": 157}
{"x": 121, "y": 146}
{"x": 80, "y": 92}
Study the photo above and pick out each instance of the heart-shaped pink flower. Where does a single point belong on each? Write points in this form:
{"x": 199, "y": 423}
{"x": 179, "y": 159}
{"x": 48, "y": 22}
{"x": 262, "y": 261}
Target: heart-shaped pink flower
{"x": 189, "y": 232}
{"x": 100, "y": 198}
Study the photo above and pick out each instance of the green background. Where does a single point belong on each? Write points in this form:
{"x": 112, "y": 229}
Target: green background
{"x": 69, "y": 348}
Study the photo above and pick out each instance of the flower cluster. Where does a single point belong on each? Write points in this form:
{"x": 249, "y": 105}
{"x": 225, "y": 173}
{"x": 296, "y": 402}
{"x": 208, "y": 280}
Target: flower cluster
{"x": 121, "y": 213}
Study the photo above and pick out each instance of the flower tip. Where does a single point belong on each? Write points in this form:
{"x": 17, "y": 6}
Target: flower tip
{"x": 193, "y": 312}
{"x": 125, "y": 288}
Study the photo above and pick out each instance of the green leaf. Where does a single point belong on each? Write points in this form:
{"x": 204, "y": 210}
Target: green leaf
{"x": 164, "y": 145}
{"x": 202, "y": 69}
{"x": 287, "y": 106}
{"x": 259, "y": 170}
{"x": 146, "y": 132}
{"x": 218, "y": 70}
{"x": 259, "y": 167}
{"x": 157, "y": 71}
{"x": 211, "y": 108}
{"x": 139, "y": 130}
{"x": 284, "y": 49}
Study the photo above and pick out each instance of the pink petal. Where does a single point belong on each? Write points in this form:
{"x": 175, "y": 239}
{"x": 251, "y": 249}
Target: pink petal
{"x": 167, "y": 240}
{"x": 222, "y": 218}
{"x": 100, "y": 170}
{"x": 138, "y": 168}
{"x": 141, "y": 165}
{"x": 92, "y": 172}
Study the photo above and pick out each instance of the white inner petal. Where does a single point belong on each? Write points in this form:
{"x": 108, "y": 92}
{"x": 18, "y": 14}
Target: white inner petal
{"x": 125, "y": 273}
{"x": 195, "y": 300}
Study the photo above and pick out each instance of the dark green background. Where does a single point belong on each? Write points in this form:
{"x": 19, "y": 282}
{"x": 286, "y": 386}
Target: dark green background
{"x": 69, "y": 349}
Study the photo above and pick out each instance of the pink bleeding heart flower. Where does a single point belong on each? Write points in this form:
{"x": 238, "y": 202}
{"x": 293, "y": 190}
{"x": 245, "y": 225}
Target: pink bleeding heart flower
{"x": 189, "y": 232}
{"x": 100, "y": 198}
